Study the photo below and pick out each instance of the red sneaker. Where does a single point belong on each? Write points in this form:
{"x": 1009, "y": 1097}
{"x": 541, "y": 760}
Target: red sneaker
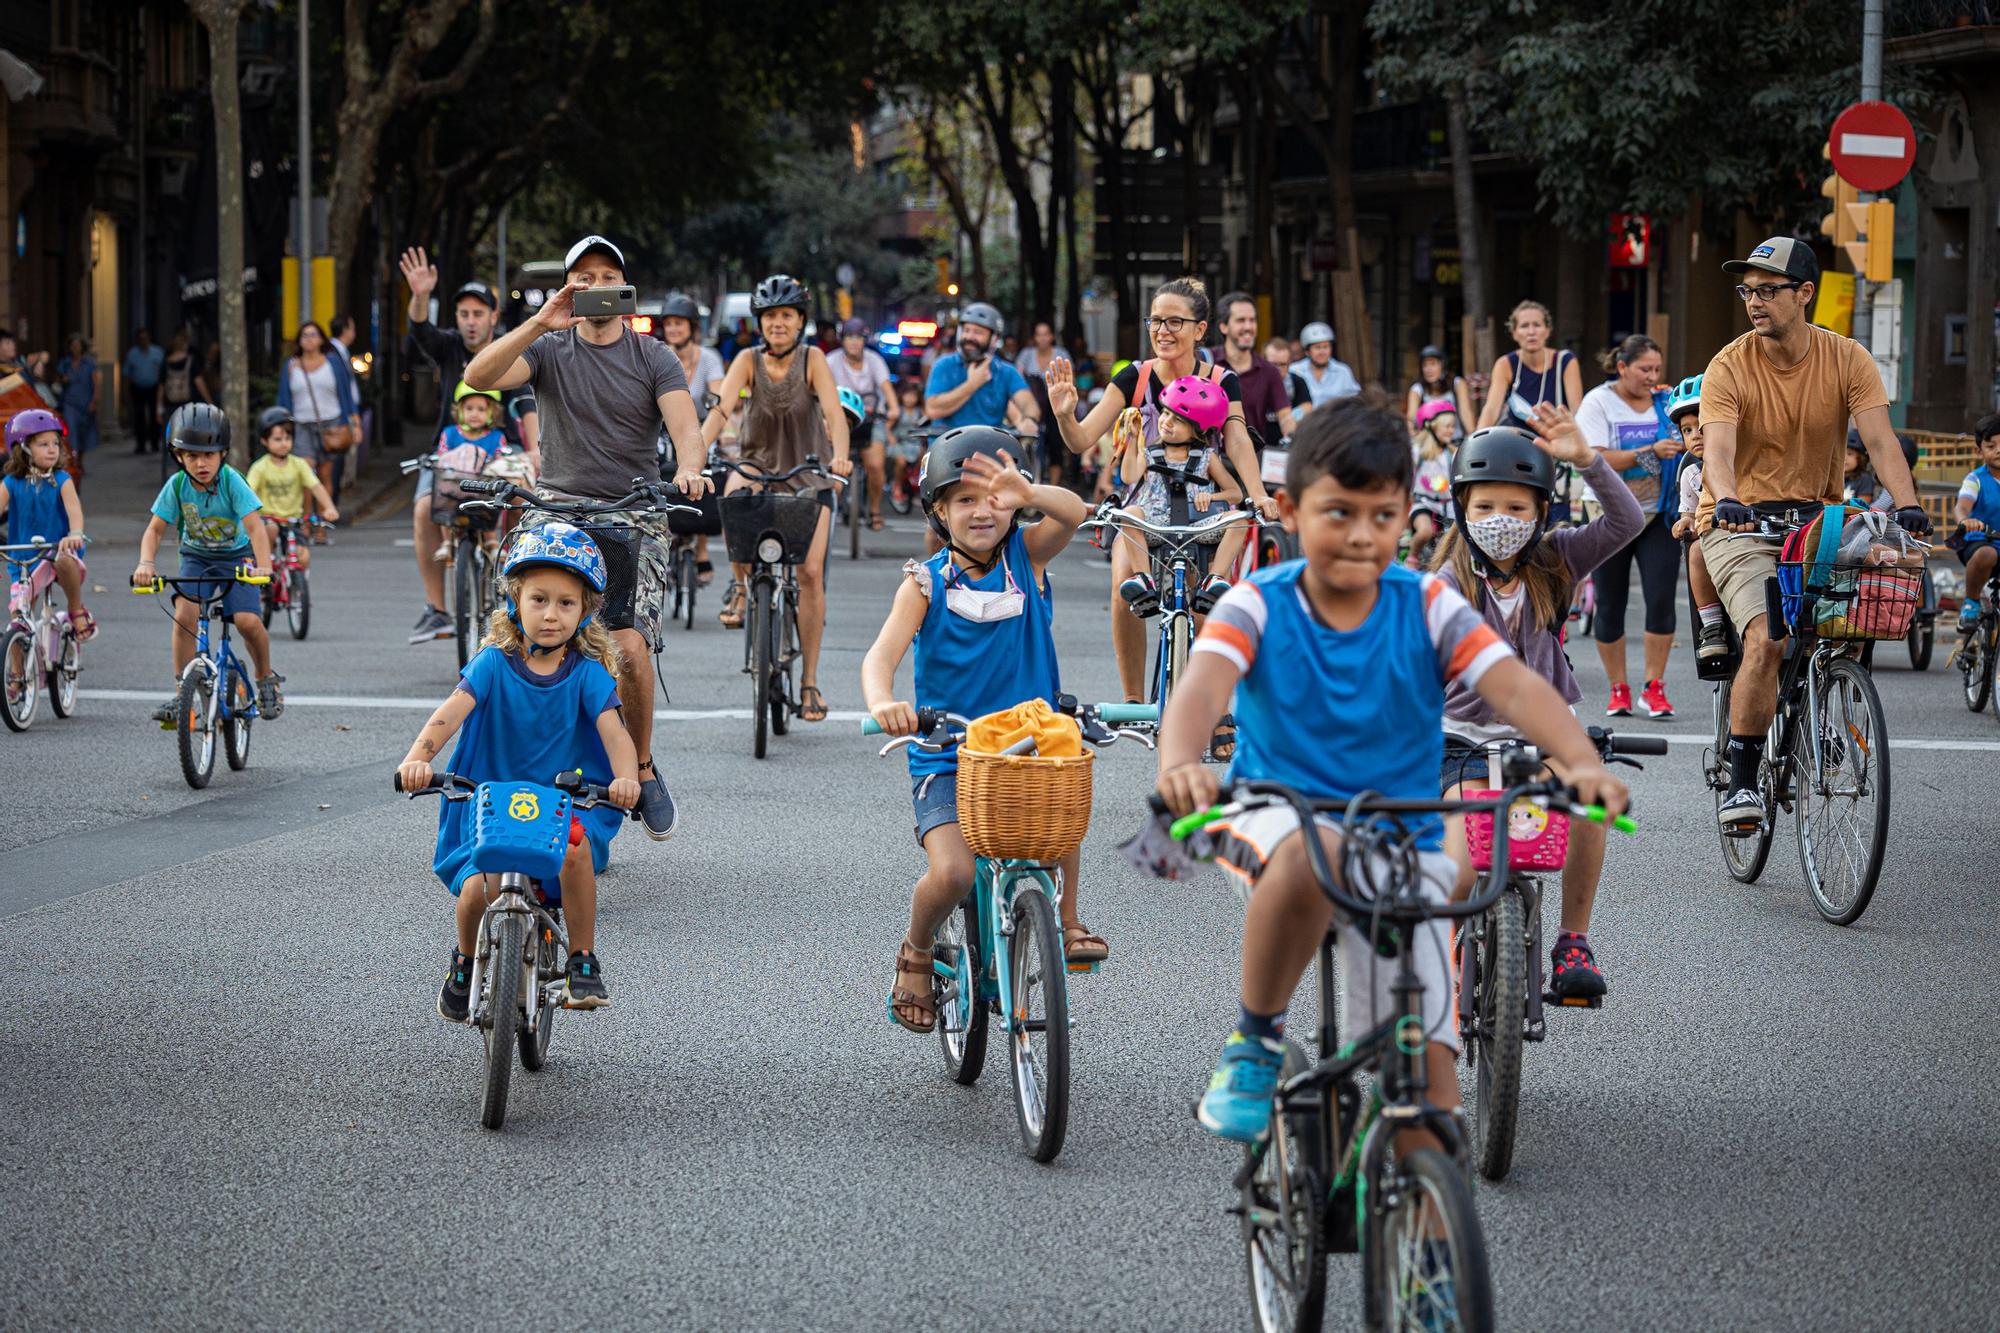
{"x": 1654, "y": 696}
{"x": 1621, "y": 702}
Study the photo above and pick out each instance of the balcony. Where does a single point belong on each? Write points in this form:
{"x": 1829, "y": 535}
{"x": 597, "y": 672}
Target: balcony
{"x": 80, "y": 102}
{"x": 1943, "y": 32}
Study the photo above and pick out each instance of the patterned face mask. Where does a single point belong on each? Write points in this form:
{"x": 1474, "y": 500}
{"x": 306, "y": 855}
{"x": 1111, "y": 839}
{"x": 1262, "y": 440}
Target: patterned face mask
{"x": 1499, "y": 537}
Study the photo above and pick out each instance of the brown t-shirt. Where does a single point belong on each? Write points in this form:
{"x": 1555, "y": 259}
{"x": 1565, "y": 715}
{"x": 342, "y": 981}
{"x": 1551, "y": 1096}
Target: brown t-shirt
{"x": 1791, "y": 423}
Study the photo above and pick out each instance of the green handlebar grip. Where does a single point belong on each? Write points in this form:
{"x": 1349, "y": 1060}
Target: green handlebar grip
{"x": 1115, "y": 714}
{"x": 1598, "y": 815}
{"x": 870, "y": 727}
{"x": 1187, "y": 824}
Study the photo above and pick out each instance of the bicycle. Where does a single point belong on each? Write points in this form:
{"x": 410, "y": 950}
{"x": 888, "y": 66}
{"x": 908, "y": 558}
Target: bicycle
{"x": 1826, "y": 751}
{"x": 1499, "y": 953}
{"x": 520, "y": 833}
{"x": 1978, "y": 649}
{"x": 290, "y": 588}
{"x": 772, "y": 532}
{"x": 1001, "y": 951}
{"x": 215, "y": 693}
{"x": 39, "y": 647}
{"x": 471, "y": 551}
{"x": 1327, "y": 1179}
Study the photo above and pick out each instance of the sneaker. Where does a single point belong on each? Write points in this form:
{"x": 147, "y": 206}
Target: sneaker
{"x": 1210, "y": 593}
{"x": 1654, "y": 696}
{"x": 1968, "y": 616}
{"x": 584, "y": 988}
{"x": 657, "y": 813}
{"x": 270, "y": 699}
{"x": 1573, "y": 970}
{"x": 1741, "y": 813}
{"x": 1711, "y": 642}
{"x": 432, "y": 624}
{"x": 1621, "y": 702}
{"x": 1141, "y": 594}
{"x": 455, "y": 996}
{"x": 1237, "y": 1105}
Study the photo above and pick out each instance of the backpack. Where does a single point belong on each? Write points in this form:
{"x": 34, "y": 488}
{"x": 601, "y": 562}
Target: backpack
{"x": 178, "y": 383}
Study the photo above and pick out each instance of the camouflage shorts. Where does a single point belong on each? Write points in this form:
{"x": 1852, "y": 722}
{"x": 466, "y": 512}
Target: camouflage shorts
{"x": 635, "y": 561}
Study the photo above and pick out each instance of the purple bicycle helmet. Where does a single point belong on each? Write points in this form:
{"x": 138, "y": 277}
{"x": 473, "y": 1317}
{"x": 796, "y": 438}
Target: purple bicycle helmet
{"x": 33, "y": 422}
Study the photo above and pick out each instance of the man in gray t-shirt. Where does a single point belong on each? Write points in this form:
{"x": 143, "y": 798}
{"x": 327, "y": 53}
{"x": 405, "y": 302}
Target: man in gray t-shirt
{"x": 600, "y": 409}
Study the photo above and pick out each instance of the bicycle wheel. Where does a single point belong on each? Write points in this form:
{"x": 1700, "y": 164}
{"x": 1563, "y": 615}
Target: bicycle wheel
{"x": 1494, "y": 1048}
{"x": 1038, "y": 995}
{"x": 783, "y": 611}
{"x": 236, "y": 730}
{"x": 62, "y": 676}
{"x": 465, "y": 600}
{"x": 267, "y": 597}
{"x": 1426, "y": 1256}
{"x": 1843, "y": 808}
{"x": 194, "y": 725}
{"x": 1179, "y": 634}
{"x": 1282, "y": 1197}
{"x": 1975, "y": 664}
{"x": 534, "y": 1035}
{"x": 1743, "y": 857}
{"x": 685, "y": 584}
{"x": 503, "y": 975}
{"x": 857, "y": 510}
{"x": 761, "y": 672}
{"x": 299, "y": 606}
{"x": 17, "y": 659}
{"x": 962, "y": 1019}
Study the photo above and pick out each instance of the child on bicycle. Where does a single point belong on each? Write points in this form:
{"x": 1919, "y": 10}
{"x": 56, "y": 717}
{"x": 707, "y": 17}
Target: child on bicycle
{"x": 215, "y": 515}
{"x": 542, "y": 698}
{"x": 1338, "y": 663}
{"x": 1977, "y": 510}
{"x": 1711, "y": 634}
{"x": 1192, "y": 414}
{"x": 39, "y": 499}
{"x": 1430, "y": 495}
{"x": 980, "y": 615}
{"x": 282, "y": 480}
{"x": 1503, "y": 558}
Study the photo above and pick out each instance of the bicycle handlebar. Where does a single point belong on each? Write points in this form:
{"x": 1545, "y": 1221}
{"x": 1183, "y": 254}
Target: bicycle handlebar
{"x": 1109, "y": 516}
{"x": 452, "y": 787}
{"x": 161, "y": 582}
{"x": 39, "y": 546}
{"x": 655, "y": 494}
{"x": 751, "y": 472}
{"x": 939, "y": 731}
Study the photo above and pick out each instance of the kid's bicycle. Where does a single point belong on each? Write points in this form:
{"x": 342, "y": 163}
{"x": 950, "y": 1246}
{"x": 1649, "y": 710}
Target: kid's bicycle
{"x": 39, "y": 646}
{"x": 290, "y": 588}
{"x": 216, "y": 693}
{"x": 1978, "y": 647}
{"x": 1001, "y": 952}
{"x": 520, "y": 834}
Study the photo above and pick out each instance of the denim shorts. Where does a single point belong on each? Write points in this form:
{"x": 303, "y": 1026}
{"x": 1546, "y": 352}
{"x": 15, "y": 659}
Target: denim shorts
{"x": 935, "y": 796}
{"x": 239, "y": 597}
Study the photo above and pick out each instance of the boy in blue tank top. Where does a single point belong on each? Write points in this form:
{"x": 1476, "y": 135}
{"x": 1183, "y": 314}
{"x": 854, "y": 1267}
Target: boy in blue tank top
{"x": 1338, "y": 663}
{"x": 1977, "y": 510}
{"x": 980, "y": 616}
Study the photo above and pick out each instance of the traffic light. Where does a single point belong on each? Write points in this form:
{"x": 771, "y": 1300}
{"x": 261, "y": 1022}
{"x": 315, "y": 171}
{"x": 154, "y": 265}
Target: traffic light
{"x": 1837, "y": 225}
{"x": 1873, "y": 248}
{"x": 944, "y": 275}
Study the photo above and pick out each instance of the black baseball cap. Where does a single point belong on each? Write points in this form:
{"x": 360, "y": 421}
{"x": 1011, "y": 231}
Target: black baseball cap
{"x": 1782, "y": 255}
{"x": 478, "y": 291}
{"x": 586, "y": 246}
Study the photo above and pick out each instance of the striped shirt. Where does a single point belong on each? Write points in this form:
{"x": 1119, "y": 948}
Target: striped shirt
{"x": 1336, "y": 712}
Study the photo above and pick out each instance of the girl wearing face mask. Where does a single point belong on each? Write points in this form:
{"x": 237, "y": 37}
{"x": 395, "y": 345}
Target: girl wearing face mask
{"x": 1503, "y": 557}
{"x": 979, "y": 614}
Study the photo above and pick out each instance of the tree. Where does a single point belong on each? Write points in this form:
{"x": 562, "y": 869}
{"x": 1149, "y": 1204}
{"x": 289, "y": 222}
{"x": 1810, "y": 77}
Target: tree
{"x": 220, "y": 18}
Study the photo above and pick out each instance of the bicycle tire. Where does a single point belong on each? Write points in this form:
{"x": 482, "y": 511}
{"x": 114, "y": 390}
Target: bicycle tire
{"x": 1495, "y": 1108}
{"x": 298, "y": 603}
{"x": 267, "y": 599}
{"x": 1975, "y": 665}
{"x": 464, "y": 598}
{"x": 1852, "y": 728}
{"x": 857, "y": 485}
{"x": 760, "y": 664}
{"x": 1283, "y": 1184}
{"x": 1922, "y": 643}
{"x": 1429, "y": 1182}
{"x": 23, "y": 691}
{"x": 534, "y": 1037}
{"x": 194, "y": 728}
{"x": 685, "y": 581}
{"x": 1178, "y": 640}
{"x": 1742, "y": 857}
{"x": 964, "y": 1046}
{"x": 62, "y": 676}
{"x": 503, "y": 973}
{"x": 783, "y": 609}
{"x": 236, "y": 730}
{"x": 1036, "y": 968}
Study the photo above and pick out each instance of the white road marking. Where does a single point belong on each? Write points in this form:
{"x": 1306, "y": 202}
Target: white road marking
{"x": 407, "y": 704}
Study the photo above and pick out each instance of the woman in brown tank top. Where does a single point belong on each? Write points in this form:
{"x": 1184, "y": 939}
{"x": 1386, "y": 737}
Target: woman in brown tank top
{"x": 792, "y": 410}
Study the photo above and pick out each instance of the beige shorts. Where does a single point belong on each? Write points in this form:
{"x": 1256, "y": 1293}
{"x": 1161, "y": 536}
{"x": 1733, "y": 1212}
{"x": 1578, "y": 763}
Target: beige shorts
{"x": 1739, "y": 568}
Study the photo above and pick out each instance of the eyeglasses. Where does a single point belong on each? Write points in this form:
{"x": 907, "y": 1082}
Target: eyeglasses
{"x": 1171, "y": 323}
{"x": 1766, "y": 292}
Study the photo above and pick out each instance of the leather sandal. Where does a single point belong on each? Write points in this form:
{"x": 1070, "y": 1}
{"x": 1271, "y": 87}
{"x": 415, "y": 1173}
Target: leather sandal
{"x": 914, "y": 1010}
{"x": 1080, "y": 946}
{"x": 812, "y": 704}
{"x": 732, "y": 607}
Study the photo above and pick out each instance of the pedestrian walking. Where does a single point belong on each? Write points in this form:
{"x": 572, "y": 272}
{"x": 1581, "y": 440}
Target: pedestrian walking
{"x": 143, "y": 362}
{"x": 321, "y": 402}
{"x": 78, "y": 373}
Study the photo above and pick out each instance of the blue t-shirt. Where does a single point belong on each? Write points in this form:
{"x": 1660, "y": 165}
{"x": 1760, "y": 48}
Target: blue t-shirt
{"x": 35, "y": 508}
{"x": 1333, "y": 712}
{"x": 142, "y": 365}
{"x": 1983, "y": 489}
{"x": 987, "y": 407}
{"x": 527, "y": 728}
{"x": 973, "y": 667}
{"x": 210, "y": 522}
{"x": 453, "y": 438}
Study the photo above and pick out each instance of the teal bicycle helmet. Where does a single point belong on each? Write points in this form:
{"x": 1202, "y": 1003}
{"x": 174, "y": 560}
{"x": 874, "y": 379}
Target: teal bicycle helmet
{"x": 1686, "y": 397}
{"x": 850, "y": 403}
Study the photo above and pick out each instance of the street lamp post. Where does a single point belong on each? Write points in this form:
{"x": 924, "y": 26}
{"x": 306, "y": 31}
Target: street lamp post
{"x": 303, "y": 243}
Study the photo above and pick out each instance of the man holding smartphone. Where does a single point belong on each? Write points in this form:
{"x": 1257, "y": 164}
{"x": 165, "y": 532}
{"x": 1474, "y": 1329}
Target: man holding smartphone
{"x": 604, "y": 392}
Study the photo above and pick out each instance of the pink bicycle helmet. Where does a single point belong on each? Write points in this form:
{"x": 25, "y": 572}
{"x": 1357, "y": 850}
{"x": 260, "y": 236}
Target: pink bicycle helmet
{"x": 1431, "y": 411}
{"x": 1198, "y": 400}
{"x": 32, "y": 422}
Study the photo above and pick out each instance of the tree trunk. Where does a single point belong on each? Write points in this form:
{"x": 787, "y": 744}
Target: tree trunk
{"x": 1471, "y": 254}
{"x": 1062, "y": 182}
{"x": 998, "y": 109}
{"x": 220, "y": 18}
{"x": 1350, "y": 307}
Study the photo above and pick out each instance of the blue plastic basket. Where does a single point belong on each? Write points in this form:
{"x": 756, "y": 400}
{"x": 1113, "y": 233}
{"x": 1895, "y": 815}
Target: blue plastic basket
{"x": 522, "y": 827}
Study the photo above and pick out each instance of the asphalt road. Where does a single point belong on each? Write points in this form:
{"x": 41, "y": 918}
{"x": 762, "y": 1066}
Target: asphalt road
{"x": 230, "y": 1103}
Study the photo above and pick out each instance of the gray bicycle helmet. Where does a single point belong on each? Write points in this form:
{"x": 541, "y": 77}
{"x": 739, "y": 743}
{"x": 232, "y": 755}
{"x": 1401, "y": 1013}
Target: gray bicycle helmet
{"x": 270, "y": 417}
{"x": 778, "y": 291}
{"x": 1501, "y": 453}
{"x": 681, "y": 306}
{"x": 1431, "y": 350}
{"x": 198, "y": 428}
{"x": 946, "y": 461}
{"x": 985, "y": 316}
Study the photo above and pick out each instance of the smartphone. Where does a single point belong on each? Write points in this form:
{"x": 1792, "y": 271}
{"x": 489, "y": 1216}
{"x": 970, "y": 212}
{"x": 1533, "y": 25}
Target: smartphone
{"x": 596, "y": 302}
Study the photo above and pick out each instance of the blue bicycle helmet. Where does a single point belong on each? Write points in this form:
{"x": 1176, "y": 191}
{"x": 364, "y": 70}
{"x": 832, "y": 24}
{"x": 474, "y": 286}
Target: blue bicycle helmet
{"x": 559, "y": 546}
{"x": 1686, "y": 397}
{"x": 850, "y": 403}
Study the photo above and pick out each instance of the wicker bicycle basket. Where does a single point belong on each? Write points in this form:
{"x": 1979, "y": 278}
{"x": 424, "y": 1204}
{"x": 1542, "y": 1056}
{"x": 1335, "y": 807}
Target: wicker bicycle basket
{"x": 1023, "y": 807}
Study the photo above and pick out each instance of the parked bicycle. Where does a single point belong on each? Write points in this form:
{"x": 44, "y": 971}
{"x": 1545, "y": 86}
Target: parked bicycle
{"x": 290, "y": 588}
{"x": 39, "y": 647}
{"x": 216, "y": 695}
{"x": 520, "y": 834}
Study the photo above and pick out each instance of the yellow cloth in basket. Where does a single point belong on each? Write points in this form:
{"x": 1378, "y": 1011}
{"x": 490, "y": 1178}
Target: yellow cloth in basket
{"x": 1056, "y": 734}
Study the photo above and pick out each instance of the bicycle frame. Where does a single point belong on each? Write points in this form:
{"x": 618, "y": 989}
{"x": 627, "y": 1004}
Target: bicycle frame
{"x": 516, "y": 897}
{"x": 993, "y": 886}
{"x": 220, "y": 665}
{"x": 1177, "y": 557}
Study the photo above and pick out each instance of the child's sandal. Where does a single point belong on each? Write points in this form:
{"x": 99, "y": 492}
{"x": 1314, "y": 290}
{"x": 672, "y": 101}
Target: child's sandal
{"x": 914, "y": 1010}
{"x": 84, "y": 624}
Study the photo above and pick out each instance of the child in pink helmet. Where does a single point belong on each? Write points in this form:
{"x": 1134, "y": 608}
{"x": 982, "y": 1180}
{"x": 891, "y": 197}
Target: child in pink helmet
{"x": 1430, "y": 497}
{"x": 1192, "y": 413}
{"x": 38, "y": 499}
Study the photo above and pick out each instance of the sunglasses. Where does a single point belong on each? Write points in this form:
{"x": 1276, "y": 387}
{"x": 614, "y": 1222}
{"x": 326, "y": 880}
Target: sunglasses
{"x": 1765, "y": 292}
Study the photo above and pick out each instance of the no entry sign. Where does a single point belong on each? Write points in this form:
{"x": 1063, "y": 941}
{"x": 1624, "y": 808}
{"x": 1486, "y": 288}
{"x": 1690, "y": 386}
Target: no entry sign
{"x": 1872, "y": 146}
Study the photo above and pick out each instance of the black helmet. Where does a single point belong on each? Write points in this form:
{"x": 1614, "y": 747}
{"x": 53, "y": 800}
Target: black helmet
{"x": 198, "y": 428}
{"x": 985, "y": 316}
{"x": 778, "y": 291}
{"x": 1431, "y": 350}
{"x": 1501, "y": 453}
{"x": 270, "y": 417}
{"x": 681, "y": 306}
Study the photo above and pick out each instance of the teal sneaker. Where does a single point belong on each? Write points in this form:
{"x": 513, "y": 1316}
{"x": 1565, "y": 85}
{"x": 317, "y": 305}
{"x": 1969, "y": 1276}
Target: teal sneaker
{"x": 1237, "y": 1105}
{"x": 1968, "y": 615}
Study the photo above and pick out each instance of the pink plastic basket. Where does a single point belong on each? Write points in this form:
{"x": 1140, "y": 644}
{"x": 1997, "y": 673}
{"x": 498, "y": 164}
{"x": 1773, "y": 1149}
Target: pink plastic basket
{"x": 1540, "y": 835}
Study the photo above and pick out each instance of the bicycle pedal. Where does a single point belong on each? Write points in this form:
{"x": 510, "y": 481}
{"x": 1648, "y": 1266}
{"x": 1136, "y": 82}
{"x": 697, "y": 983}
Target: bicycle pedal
{"x": 1573, "y": 1001}
{"x": 1535, "y": 1031}
{"x": 1083, "y": 968}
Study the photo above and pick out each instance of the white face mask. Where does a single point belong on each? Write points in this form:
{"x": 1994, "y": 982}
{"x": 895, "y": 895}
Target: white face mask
{"x": 983, "y": 606}
{"x": 1499, "y": 536}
